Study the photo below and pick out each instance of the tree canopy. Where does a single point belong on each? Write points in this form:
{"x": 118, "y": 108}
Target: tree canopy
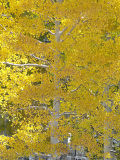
{"x": 59, "y": 75}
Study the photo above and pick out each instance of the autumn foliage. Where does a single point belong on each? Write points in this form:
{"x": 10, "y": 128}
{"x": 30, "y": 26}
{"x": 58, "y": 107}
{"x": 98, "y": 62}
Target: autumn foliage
{"x": 66, "y": 51}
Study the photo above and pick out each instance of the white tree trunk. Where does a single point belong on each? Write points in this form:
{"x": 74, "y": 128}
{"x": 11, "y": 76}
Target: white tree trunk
{"x": 31, "y": 157}
{"x": 108, "y": 142}
{"x": 56, "y": 102}
{"x": 54, "y": 122}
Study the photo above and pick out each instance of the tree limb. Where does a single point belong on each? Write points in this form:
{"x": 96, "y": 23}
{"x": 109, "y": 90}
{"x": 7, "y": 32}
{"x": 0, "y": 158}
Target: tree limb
{"x": 108, "y": 109}
{"x": 71, "y": 30}
{"x": 76, "y": 88}
{"x": 33, "y": 107}
{"x": 23, "y": 65}
{"x": 3, "y": 27}
{"x": 61, "y": 32}
{"x": 67, "y": 113}
{"x": 41, "y": 59}
{"x": 52, "y": 1}
{"x": 50, "y": 31}
{"x": 73, "y": 27}
{"x": 90, "y": 91}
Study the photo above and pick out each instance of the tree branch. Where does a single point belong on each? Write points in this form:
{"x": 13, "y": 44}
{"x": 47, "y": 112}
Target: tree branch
{"x": 73, "y": 27}
{"x": 23, "y": 65}
{"x": 3, "y": 27}
{"x": 71, "y": 30}
{"x": 61, "y": 32}
{"x": 67, "y": 113}
{"x": 34, "y": 107}
{"x": 108, "y": 109}
{"x": 52, "y": 1}
{"x": 41, "y": 59}
{"x": 50, "y": 31}
{"x": 76, "y": 88}
{"x": 40, "y": 41}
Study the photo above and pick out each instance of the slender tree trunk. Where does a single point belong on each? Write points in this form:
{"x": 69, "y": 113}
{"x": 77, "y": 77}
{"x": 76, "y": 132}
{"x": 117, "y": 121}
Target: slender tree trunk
{"x": 54, "y": 123}
{"x": 56, "y": 102}
{"x": 107, "y": 141}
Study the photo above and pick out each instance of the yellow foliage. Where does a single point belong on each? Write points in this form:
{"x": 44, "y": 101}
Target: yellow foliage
{"x": 78, "y": 41}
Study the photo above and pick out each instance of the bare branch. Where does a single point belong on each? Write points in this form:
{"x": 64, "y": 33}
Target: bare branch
{"x": 4, "y": 15}
{"x": 67, "y": 113}
{"x": 50, "y": 31}
{"x": 55, "y": 50}
{"x": 3, "y": 27}
{"x": 23, "y": 65}
{"x": 51, "y": 18}
{"x": 70, "y": 31}
{"x": 41, "y": 59}
{"x": 112, "y": 102}
{"x": 52, "y": 1}
{"x": 61, "y": 32}
{"x": 73, "y": 27}
{"x": 40, "y": 41}
{"x": 76, "y": 88}
{"x": 108, "y": 109}
{"x": 89, "y": 90}
{"x": 34, "y": 107}
{"x": 106, "y": 90}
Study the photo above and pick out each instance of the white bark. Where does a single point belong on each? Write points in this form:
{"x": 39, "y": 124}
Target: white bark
{"x": 40, "y": 59}
{"x": 108, "y": 155}
{"x": 31, "y": 157}
{"x": 107, "y": 142}
{"x": 24, "y": 65}
{"x": 54, "y": 123}
{"x": 56, "y": 103}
